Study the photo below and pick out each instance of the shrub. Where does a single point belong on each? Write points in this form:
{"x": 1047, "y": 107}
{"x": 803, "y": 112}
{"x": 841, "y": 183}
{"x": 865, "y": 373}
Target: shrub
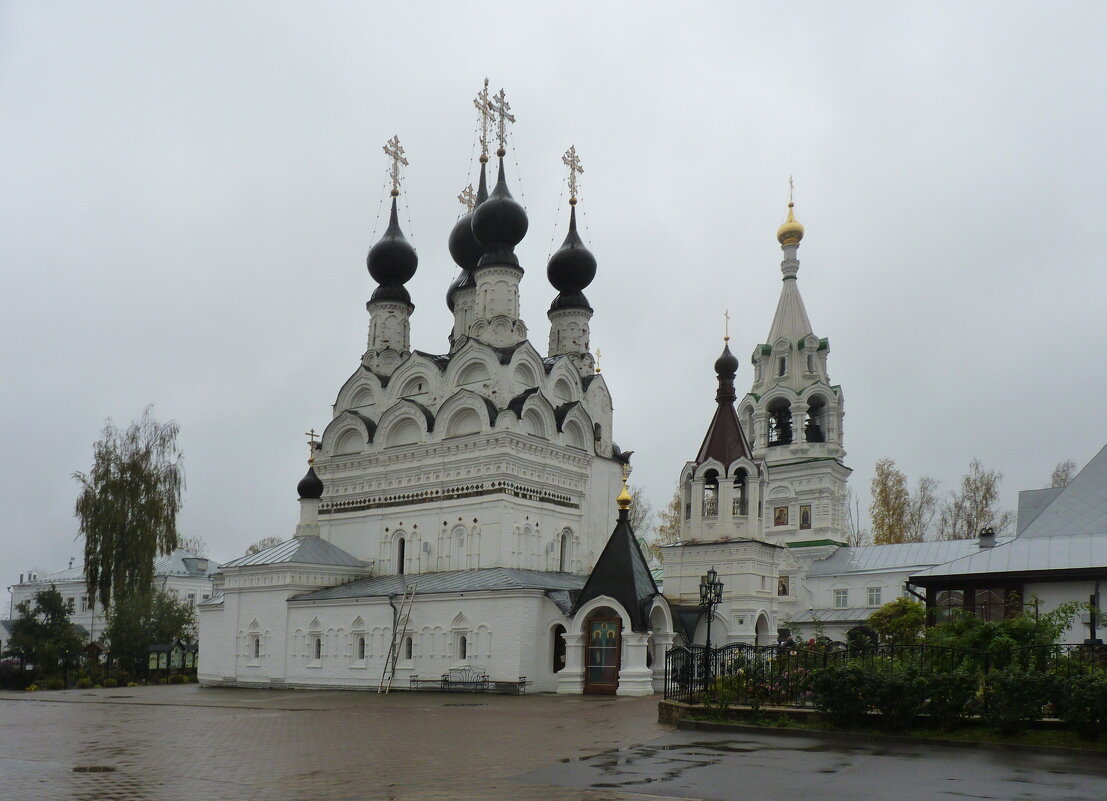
{"x": 1081, "y": 702}
{"x": 178, "y": 678}
{"x": 952, "y": 697}
{"x": 839, "y": 694}
{"x": 110, "y": 683}
{"x": 899, "y": 622}
{"x": 32, "y": 688}
{"x": 1015, "y": 699}
{"x": 54, "y": 684}
{"x": 899, "y": 696}
{"x": 84, "y": 682}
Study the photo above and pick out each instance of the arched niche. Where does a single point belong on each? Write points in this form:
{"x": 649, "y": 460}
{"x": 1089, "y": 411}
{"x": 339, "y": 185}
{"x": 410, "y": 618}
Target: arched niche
{"x": 405, "y": 431}
{"x": 348, "y": 442}
{"x": 463, "y": 422}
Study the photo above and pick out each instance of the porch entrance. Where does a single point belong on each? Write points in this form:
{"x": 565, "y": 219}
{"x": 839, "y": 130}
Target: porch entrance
{"x": 601, "y": 674}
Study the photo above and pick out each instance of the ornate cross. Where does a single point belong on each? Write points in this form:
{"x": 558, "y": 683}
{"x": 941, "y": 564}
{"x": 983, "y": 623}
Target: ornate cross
{"x": 726, "y": 326}
{"x": 598, "y": 354}
{"x": 311, "y": 435}
{"x": 791, "y": 188}
{"x": 485, "y": 109}
{"x": 572, "y": 161}
{"x": 395, "y": 151}
{"x": 468, "y": 198}
{"x": 500, "y": 107}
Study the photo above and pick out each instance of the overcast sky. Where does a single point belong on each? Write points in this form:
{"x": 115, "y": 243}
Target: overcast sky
{"x": 188, "y": 192}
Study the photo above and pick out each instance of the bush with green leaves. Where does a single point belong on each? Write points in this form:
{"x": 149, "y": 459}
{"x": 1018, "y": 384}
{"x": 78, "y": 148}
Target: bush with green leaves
{"x": 1081, "y": 702}
{"x": 84, "y": 683}
{"x": 952, "y": 696}
{"x": 54, "y": 684}
{"x": 898, "y": 695}
{"x": 110, "y": 683}
{"x": 178, "y": 678}
{"x": 1015, "y": 699}
{"x": 839, "y": 693}
{"x": 899, "y": 622}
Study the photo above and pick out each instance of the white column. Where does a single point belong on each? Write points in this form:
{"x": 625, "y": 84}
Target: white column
{"x": 662, "y": 642}
{"x": 634, "y": 677}
{"x": 570, "y": 679}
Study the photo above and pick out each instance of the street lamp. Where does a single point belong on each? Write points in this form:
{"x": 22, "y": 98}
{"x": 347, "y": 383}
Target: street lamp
{"x": 711, "y": 595}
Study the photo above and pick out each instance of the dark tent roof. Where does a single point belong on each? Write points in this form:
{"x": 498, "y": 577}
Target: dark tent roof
{"x": 725, "y": 440}
{"x": 621, "y": 573}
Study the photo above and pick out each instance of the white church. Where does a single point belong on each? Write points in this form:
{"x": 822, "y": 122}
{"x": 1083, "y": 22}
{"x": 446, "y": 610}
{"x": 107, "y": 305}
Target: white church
{"x": 459, "y": 515}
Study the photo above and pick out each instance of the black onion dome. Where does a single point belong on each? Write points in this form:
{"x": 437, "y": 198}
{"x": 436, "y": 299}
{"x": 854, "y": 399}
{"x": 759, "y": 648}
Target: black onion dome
{"x": 310, "y": 486}
{"x": 392, "y": 261}
{"x": 572, "y": 267}
{"x": 465, "y": 250}
{"x": 500, "y": 223}
{"x": 463, "y": 281}
{"x": 395, "y": 292}
{"x": 726, "y": 366}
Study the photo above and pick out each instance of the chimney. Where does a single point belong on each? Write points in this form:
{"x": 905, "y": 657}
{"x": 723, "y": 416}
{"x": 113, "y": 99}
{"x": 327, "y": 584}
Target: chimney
{"x": 987, "y": 537}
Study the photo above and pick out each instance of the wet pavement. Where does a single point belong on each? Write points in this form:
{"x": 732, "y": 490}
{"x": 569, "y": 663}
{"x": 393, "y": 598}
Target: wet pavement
{"x": 174, "y": 743}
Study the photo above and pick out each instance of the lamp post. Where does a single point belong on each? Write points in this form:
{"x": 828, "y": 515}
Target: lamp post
{"x": 711, "y": 595}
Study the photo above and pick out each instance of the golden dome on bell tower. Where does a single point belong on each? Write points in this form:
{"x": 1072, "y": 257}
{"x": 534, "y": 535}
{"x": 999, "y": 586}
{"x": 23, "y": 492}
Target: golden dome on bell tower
{"x": 792, "y": 231}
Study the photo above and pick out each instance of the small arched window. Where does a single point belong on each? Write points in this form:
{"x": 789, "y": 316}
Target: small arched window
{"x": 782, "y": 365}
{"x": 563, "y": 560}
{"x": 815, "y": 430}
{"x": 462, "y": 648}
{"x": 741, "y": 499}
{"x": 361, "y": 648}
{"x": 711, "y": 493}
{"x": 317, "y": 649}
{"x": 780, "y": 422}
{"x": 407, "y": 648}
{"x": 257, "y": 647}
{"x": 401, "y": 547}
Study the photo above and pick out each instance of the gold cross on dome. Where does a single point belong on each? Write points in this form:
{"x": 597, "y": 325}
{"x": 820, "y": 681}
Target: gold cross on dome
{"x": 501, "y": 108}
{"x": 485, "y": 109}
{"x": 791, "y": 189}
{"x": 395, "y": 151}
{"x": 468, "y": 198}
{"x": 626, "y": 471}
{"x": 572, "y": 161}
{"x": 726, "y": 325}
{"x": 598, "y": 354}
{"x": 311, "y": 435}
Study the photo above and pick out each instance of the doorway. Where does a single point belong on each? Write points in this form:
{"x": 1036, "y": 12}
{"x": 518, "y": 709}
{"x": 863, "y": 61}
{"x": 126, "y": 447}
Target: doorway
{"x": 601, "y": 674}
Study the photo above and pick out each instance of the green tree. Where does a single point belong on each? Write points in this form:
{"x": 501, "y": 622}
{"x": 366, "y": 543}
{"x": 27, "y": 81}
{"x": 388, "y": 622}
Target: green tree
{"x": 43, "y": 635}
{"x": 141, "y": 619}
{"x": 128, "y": 504}
{"x": 899, "y": 622}
{"x": 889, "y": 509}
{"x": 974, "y": 506}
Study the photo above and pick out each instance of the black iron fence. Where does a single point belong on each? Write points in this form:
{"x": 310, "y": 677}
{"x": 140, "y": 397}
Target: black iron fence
{"x": 779, "y": 675}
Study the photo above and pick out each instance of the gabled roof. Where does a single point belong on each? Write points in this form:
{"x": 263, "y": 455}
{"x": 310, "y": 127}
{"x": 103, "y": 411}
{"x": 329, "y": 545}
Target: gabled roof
{"x": 904, "y": 556}
{"x": 622, "y": 573}
{"x": 1080, "y": 507}
{"x": 486, "y": 579}
{"x": 1031, "y": 504}
{"x": 299, "y": 550}
{"x": 725, "y": 441}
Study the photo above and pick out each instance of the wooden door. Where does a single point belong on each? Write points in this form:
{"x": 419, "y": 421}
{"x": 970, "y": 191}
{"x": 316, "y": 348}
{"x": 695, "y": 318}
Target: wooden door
{"x": 601, "y": 673}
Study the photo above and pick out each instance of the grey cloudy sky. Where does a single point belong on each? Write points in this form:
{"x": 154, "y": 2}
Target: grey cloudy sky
{"x": 189, "y": 191}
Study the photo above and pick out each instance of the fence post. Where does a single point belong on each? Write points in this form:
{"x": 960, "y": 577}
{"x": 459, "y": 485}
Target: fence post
{"x": 987, "y": 671}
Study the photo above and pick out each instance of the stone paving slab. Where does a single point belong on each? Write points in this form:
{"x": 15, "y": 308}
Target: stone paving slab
{"x": 186, "y": 742}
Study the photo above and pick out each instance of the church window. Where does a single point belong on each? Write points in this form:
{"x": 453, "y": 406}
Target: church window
{"x": 782, "y": 365}
{"x": 874, "y": 596}
{"x": 741, "y": 501}
{"x": 84, "y": 603}
{"x": 462, "y": 648}
{"x": 407, "y": 648}
{"x": 361, "y": 648}
{"x": 566, "y": 545}
{"x": 810, "y": 362}
{"x": 255, "y": 646}
{"x": 558, "y": 648}
{"x": 317, "y": 648}
{"x": 815, "y": 429}
{"x": 401, "y": 546}
{"x": 841, "y": 599}
{"x": 711, "y": 493}
{"x": 780, "y": 422}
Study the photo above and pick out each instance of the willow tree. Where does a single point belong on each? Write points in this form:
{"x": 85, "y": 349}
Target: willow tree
{"x": 128, "y": 504}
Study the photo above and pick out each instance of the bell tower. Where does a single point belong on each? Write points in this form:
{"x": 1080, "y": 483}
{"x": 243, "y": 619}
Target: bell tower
{"x": 795, "y": 416}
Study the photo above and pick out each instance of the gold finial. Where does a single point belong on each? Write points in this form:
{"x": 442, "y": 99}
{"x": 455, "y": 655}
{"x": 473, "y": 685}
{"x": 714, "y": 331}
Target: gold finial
{"x": 468, "y": 198}
{"x": 500, "y": 108}
{"x": 792, "y": 231}
{"x": 311, "y": 435}
{"x": 624, "y": 499}
{"x": 572, "y": 161}
{"x": 598, "y": 354}
{"x": 726, "y": 325}
{"x": 485, "y": 109}
{"x": 395, "y": 151}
